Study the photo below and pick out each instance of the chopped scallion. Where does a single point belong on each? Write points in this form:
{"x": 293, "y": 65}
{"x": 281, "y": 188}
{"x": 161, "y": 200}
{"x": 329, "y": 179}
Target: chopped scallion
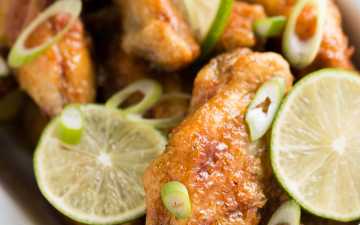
{"x": 270, "y": 27}
{"x": 264, "y": 106}
{"x": 20, "y": 55}
{"x": 175, "y": 198}
{"x": 151, "y": 89}
{"x": 302, "y": 53}
{"x": 70, "y": 126}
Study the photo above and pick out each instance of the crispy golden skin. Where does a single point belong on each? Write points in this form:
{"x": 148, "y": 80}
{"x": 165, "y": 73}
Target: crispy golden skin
{"x": 210, "y": 151}
{"x": 63, "y": 74}
{"x": 15, "y": 15}
{"x": 335, "y": 50}
{"x": 239, "y": 31}
{"x": 156, "y": 31}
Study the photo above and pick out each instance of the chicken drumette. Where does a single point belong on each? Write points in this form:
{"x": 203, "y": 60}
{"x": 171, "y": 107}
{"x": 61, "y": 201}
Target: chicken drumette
{"x": 61, "y": 75}
{"x": 157, "y": 30}
{"x": 335, "y": 50}
{"x": 210, "y": 152}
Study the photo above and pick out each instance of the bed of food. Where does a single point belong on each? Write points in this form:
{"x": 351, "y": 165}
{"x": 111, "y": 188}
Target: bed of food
{"x": 185, "y": 112}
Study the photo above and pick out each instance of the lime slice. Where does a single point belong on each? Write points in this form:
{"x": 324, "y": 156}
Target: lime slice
{"x": 208, "y": 19}
{"x": 315, "y": 147}
{"x": 99, "y": 180}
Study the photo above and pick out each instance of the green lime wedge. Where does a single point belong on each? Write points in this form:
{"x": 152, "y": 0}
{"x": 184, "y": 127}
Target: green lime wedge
{"x": 208, "y": 19}
{"x": 99, "y": 180}
{"x": 315, "y": 147}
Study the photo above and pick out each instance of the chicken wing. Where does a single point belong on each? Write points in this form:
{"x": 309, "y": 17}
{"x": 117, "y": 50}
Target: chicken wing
{"x": 156, "y": 30}
{"x": 335, "y": 50}
{"x": 15, "y": 15}
{"x": 210, "y": 152}
{"x": 239, "y": 31}
{"x": 61, "y": 75}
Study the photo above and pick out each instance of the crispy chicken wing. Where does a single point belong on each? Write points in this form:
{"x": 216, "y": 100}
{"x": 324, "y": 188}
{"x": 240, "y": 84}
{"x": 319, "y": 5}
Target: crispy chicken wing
{"x": 15, "y": 15}
{"x": 210, "y": 152}
{"x": 335, "y": 50}
{"x": 156, "y": 30}
{"x": 61, "y": 75}
{"x": 239, "y": 31}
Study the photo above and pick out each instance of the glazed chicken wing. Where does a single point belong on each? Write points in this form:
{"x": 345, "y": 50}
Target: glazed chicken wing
{"x": 15, "y": 15}
{"x": 210, "y": 151}
{"x": 239, "y": 30}
{"x": 334, "y": 50}
{"x": 156, "y": 30}
{"x": 64, "y": 73}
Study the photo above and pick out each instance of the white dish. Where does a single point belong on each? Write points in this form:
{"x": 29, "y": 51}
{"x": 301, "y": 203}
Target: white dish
{"x": 20, "y": 200}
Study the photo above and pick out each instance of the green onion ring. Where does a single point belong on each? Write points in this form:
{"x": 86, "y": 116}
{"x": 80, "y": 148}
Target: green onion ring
{"x": 151, "y": 89}
{"x": 270, "y": 27}
{"x": 258, "y": 121}
{"x": 4, "y": 69}
{"x": 175, "y": 198}
{"x": 302, "y": 53}
{"x": 70, "y": 125}
{"x": 162, "y": 123}
{"x": 20, "y": 55}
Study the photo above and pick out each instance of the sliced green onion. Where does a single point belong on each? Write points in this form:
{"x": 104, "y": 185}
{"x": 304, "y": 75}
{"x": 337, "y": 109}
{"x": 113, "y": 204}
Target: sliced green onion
{"x": 70, "y": 126}
{"x": 151, "y": 89}
{"x": 302, "y": 53}
{"x": 162, "y": 123}
{"x": 175, "y": 198}
{"x": 218, "y": 27}
{"x": 20, "y": 55}
{"x": 4, "y": 69}
{"x": 264, "y": 106}
{"x": 288, "y": 213}
{"x": 270, "y": 27}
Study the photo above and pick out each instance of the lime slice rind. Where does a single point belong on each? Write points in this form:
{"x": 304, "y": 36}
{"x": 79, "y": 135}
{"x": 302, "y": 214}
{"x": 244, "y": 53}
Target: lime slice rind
{"x": 217, "y": 27}
{"x": 201, "y": 25}
{"x": 309, "y": 175}
{"x": 208, "y": 19}
{"x": 93, "y": 184}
